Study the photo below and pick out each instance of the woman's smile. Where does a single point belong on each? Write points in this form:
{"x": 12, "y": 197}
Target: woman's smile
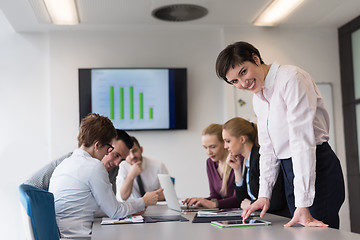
{"x": 252, "y": 86}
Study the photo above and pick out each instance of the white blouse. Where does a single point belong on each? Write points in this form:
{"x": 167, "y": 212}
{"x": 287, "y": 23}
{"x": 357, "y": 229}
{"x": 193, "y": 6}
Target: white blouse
{"x": 292, "y": 120}
{"x": 149, "y": 176}
{"x": 81, "y": 186}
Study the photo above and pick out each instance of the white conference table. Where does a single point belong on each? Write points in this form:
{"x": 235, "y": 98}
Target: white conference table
{"x": 189, "y": 230}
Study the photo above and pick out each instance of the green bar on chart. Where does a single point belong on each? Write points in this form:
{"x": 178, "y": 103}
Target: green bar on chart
{"x": 111, "y": 102}
{"x": 141, "y": 105}
{"x": 131, "y": 102}
{"x": 151, "y": 113}
{"x": 121, "y": 103}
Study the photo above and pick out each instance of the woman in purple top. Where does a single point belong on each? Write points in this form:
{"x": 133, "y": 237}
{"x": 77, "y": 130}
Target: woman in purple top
{"x": 221, "y": 176}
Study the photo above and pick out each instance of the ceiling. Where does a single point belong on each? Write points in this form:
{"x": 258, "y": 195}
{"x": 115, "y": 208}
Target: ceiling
{"x": 31, "y": 16}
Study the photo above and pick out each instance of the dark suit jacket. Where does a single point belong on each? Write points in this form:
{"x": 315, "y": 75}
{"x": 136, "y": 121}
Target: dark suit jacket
{"x": 278, "y": 204}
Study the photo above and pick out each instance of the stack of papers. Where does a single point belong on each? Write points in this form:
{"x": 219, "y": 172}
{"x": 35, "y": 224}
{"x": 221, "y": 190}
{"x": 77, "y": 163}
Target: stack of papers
{"x": 222, "y": 213}
{"x": 219, "y": 213}
{"x": 132, "y": 219}
{"x": 161, "y": 203}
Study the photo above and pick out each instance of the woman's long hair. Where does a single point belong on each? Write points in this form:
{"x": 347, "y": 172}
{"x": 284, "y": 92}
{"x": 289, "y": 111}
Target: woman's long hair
{"x": 216, "y": 129}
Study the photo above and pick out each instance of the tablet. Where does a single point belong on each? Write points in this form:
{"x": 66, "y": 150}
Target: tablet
{"x": 240, "y": 223}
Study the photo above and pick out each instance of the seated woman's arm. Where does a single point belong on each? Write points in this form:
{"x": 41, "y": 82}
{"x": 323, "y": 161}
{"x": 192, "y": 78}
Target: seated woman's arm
{"x": 105, "y": 198}
{"x": 230, "y": 202}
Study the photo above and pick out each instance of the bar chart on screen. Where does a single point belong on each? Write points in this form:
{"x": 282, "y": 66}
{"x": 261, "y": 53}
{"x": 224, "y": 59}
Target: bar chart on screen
{"x": 129, "y": 99}
{"x": 122, "y": 103}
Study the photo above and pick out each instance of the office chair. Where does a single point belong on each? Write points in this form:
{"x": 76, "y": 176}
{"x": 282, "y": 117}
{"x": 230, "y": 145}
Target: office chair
{"x": 39, "y": 213}
{"x": 173, "y": 180}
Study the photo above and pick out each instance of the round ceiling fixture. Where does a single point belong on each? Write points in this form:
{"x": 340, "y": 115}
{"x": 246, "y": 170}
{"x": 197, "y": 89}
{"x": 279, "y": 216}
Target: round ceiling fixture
{"x": 179, "y": 12}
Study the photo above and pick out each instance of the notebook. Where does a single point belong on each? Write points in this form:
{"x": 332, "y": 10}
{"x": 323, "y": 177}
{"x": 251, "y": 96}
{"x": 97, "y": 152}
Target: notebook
{"x": 172, "y": 199}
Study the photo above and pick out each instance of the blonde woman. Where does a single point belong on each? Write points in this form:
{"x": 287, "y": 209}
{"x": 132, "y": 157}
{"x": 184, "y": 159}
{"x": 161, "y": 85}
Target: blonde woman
{"x": 240, "y": 138}
{"x": 221, "y": 176}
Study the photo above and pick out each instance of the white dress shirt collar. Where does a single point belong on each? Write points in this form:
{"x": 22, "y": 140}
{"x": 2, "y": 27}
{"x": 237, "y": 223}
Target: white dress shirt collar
{"x": 270, "y": 77}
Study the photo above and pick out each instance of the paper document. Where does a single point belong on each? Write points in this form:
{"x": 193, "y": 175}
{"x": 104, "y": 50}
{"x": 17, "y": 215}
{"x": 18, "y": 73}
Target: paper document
{"x": 161, "y": 203}
{"x": 234, "y": 213}
{"x": 219, "y": 213}
{"x": 132, "y": 219}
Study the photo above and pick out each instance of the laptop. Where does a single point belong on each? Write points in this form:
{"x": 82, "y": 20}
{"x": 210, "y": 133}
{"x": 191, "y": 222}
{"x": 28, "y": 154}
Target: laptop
{"x": 171, "y": 198}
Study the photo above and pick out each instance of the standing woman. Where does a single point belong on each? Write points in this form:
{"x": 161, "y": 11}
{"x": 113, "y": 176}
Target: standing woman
{"x": 293, "y": 132}
{"x": 220, "y": 175}
{"x": 240, "y": 138}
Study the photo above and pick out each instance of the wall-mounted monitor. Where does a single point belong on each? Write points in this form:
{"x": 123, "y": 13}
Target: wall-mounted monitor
{"x": 136, "y": 98}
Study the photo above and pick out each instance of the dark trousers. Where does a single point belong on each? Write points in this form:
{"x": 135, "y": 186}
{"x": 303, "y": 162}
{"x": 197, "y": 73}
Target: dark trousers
{"x": 329, "y": 186}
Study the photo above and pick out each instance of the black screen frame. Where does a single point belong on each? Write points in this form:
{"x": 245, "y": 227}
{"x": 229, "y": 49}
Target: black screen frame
{"x": 177, "y": 97}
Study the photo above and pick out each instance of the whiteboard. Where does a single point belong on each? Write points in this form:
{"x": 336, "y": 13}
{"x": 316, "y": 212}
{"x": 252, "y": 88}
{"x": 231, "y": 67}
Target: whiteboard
{"x": 244, "y": 107}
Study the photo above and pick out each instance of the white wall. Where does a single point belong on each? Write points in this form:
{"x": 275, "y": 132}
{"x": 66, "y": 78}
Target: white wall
{"x": 142, "y": 48}
{"x": 316, "y": 51}
{"x": 24, "y": 121}
{"x": 39, "y": 94}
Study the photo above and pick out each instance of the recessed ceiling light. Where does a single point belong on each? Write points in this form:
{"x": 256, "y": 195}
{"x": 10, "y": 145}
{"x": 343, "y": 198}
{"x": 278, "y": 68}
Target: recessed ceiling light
{"x": 276, "y": 11}
{"x": 179, "y": 12}
{"x": 62, "y": 12}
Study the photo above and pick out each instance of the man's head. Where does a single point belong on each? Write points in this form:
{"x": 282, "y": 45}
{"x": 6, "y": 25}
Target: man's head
{"x": 121, "y": 144}
{"x": 135, "y": 154}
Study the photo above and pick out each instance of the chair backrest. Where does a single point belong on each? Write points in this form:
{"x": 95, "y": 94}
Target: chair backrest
{"x": 39, "y": 206}
{"x": 173, "y": 180}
